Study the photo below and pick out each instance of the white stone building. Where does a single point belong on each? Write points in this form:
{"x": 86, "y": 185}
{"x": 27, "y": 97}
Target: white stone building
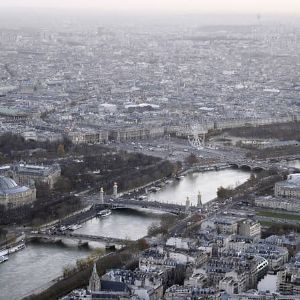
{"x": 289, "y": 188}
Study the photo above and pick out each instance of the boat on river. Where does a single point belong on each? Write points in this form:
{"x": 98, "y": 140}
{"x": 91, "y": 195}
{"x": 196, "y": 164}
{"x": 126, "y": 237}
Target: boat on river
{"x": 3, "y": 259}
{"x": 13, "y": 249}
{"x": 168, "y": 181}
{"x": 74, "y": 227}
{"x": 155, "y": 189}
{"x": 104, "y": 213}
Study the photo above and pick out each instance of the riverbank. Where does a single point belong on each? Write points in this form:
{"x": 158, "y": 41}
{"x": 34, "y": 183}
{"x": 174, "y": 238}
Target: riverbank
{"x": 206, "y": 168}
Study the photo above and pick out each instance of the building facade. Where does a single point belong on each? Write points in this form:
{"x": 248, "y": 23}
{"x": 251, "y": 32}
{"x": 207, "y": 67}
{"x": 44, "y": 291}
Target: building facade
{"x": 26, "y": 174}
{"x": 288, "y": 204}
{"x": 249, "y": 228}
{"x": 289, "y": 188}
{"x": 13, "y": 195}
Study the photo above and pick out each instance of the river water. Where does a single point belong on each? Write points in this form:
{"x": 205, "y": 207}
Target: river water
{"x": 123, "y": 223}
{"x": 206, "y": 183}
{"x": 39, "y": 263}
{"x": 33, "y": 267}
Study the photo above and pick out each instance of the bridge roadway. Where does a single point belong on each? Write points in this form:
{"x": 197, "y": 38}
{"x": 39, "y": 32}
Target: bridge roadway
{"x": 81, "y": 238}
{"x": 155, "y": 205}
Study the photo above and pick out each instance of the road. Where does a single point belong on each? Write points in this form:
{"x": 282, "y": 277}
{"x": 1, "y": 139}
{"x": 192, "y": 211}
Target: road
{"x": 178, "y": 150}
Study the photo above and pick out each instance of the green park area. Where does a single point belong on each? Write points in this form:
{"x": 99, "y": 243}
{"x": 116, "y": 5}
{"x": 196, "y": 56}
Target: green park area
{"x": 279, "y": 215}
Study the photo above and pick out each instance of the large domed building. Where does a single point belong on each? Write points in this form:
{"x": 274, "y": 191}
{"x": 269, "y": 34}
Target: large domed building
{"x": 13, "y": 195}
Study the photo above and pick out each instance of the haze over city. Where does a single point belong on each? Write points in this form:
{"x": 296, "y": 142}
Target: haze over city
{"x": 175, "y": 6}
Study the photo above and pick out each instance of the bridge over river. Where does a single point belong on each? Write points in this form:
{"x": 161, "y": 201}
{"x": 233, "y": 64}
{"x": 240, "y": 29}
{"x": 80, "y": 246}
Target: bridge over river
{"x": 260, "y": 165}
{"x": 246, "y": 164}
{"x": 155, "y": 205}
{"x": 81, "y": 238}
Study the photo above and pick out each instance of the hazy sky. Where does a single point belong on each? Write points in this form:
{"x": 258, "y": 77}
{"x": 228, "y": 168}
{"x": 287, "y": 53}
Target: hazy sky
{"x": 197, "y": 6}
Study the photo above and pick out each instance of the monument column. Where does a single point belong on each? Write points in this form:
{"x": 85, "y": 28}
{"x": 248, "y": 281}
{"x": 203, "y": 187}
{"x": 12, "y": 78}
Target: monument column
{"x": 115, "y": 190}
{"x": 101, "y": 196}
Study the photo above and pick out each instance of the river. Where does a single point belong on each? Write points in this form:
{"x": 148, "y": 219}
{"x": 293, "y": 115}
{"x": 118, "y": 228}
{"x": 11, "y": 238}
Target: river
{"x": 124, "y": 223}
{"x": 206, "y": 183}
{"x": 39, "y": 263}
{"x": 34, "y": 266}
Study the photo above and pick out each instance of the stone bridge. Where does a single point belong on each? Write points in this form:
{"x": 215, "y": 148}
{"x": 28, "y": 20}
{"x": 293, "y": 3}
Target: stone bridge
{"x": 260, "y": 165}
{"x": 155, "y": 205}
{"x": 81, "y": 238}
{"x": 251, "y": 165}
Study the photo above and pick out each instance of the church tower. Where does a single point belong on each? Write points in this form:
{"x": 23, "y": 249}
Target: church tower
{"x": 94, "y": 283}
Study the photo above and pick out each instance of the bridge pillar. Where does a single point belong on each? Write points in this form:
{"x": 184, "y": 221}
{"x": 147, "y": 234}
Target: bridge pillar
{"x": 115, "y": 190}
{"x": 101, "y": 200}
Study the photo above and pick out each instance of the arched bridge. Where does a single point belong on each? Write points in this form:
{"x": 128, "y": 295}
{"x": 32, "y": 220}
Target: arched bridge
{"x": 251, "y": 165}
{"x": 259, "y": 165}
{"x": 155, "y": 205}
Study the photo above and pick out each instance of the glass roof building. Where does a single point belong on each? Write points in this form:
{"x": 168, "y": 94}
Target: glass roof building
{"x": 13, "y": 195}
